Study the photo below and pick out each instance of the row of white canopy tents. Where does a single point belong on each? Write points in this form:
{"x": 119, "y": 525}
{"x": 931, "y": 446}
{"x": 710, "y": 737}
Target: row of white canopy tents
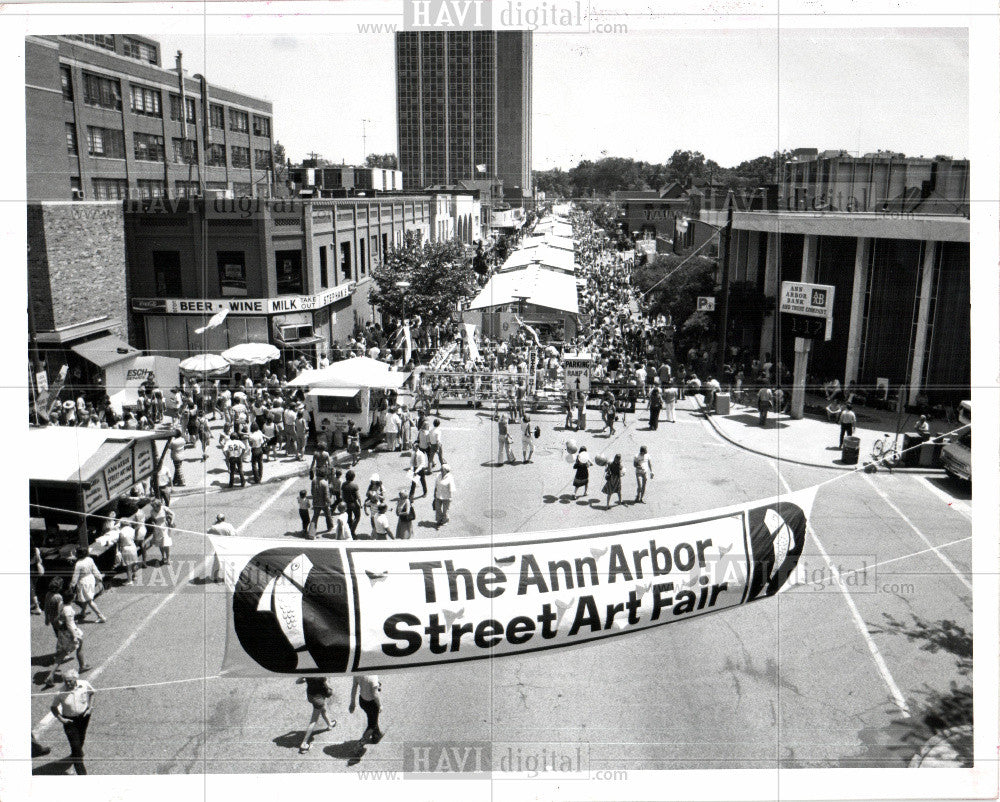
{"x": 536, "y": 285}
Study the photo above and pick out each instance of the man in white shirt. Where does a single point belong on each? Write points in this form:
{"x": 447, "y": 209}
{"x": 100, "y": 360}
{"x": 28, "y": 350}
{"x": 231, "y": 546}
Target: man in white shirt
{"x": 222, "y": 528}
{"x": 444, "y": 490}
{"x": 72, "y": 707}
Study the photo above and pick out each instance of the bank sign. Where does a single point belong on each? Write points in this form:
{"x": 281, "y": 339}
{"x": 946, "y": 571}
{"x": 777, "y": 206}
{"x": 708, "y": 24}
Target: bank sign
{"x": 243, "y": 306}
{"x": 807, "y": 309}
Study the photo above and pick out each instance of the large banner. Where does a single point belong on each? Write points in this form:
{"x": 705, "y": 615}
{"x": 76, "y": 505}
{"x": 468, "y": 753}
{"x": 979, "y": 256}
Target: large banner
{"x": 338, "y": 607}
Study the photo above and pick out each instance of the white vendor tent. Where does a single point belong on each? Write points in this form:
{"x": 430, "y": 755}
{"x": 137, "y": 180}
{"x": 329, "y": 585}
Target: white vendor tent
{"x": 551, "y": 289}
{"x": 360, "y": 371}
{"x": 544, "y": 256}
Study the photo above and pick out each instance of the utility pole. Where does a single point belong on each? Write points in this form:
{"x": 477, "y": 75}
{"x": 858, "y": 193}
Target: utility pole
{"x": 364, "y": 139}
{"x": 723, "y": 321}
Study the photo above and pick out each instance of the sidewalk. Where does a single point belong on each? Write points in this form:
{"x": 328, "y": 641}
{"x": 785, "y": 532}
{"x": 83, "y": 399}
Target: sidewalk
{"x": 812, "y": 440}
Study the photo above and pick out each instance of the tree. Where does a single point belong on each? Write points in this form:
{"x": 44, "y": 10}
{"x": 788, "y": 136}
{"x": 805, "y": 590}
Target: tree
{"x": 439, "y": 273}
{"x": 554, "y": 183}
{"x": 677, "y": 294}
{"x": 387, "y": 161}
{"x": 279, "y": 161}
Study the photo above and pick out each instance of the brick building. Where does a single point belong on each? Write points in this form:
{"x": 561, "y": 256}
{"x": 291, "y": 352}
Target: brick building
{"x": 105, "y": 121}
{"x": 295, "y": 273}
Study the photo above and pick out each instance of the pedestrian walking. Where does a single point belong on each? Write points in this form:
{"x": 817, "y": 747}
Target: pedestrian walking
{"x": 36, "y": 570}
{"x": 72, "y": 707}
{"x": 162, "y": 521}
{"x": 61, "y": 616}
{"x": 405, "y": 429}
{"x": 320, "y": 505}
{"x": 848, "y": 419}
{"x": 765, "y": 401}
{"x": 177, "y": 445}
{"x": 303, "y": 503}
{"x": 504, "y": 441}
{"x": 374, "y": 497}
{"x": 613, "y": 480}
{"x": 436, "y": 448}
{"x": 221, "y": 528}
{"x": 581, "y": 466}
{"x": 380, "y": 523}
{"x": 204, "y": 435}
{"x": 128, "y": 551}
{"x": 418, "y": 472}
{"x": 367, "y": 693}
{"x": 655, "y": 404}
{"x": 318, "y": 694}
{"x": 353, "y": 443}
{"x": 581, "y": 412}
{"x": 405, "y": 515}
{"x": 351, "y": 494}
{"x": 341, "y": 527}
{"x": 256, "y": 441}
{"x": 234, "y": 451}
{"x": 669, "y": 397}
{"x": 643, "y": 473}
{"x": 85, "y": 582}
{"x": 391, "y": 430}
{"x": 301, "y": 434}
{"x": 444, "y": 491}
{"x": 527, "y": 439}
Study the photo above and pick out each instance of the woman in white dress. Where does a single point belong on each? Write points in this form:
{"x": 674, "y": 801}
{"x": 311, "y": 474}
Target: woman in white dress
{"x": 85, "y": 579}
{"x": 129, "y": 551}
{"x": 162, "y": 519}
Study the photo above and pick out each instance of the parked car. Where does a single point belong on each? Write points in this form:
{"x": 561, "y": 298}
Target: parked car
{"x": 956, "y": 456}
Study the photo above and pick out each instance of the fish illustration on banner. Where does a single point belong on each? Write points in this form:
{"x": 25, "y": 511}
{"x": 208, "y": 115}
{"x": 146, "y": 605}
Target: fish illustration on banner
{"x": 355, "y": 607}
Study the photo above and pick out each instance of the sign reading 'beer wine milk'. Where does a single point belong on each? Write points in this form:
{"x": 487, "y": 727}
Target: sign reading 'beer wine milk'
{"x": 338, "y": 607}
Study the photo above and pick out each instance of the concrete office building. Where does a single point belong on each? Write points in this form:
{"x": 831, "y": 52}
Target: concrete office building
{"x": 294, "y": 273}
{"x": 105, "y": 121}
{"x": 463, "y": 108}
{"x": 897, "y": 256}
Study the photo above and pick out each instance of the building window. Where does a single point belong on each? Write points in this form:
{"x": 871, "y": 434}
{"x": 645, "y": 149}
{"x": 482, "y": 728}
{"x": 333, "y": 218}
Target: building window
{"x": 262, "y": 159}
{"x": 215, "y": 156}
{"x": 140, "y": 50}
{"x": 288, "y": 271}
{"x": 242, "y": 190}
{"x": 175, "y": 109}
{"x": 261, "y": 126}
{"x": 324, "y": 279}
{"x": 148, "y": 147}
{"x": 145, "y": 101}
{"x": 239, "y": 121}
{"x": 217, "y": 116}
{"x": 185, "y": 151}
{"x": 75, "y": 188}
{"x": 106, "y": 143}
{"x": 71, "y": 138}
{"x": 103, "y": 92}
{"x": 67, "y": 81}
{"x": 232, "y": 273}
{"x": 103, "y": 40}
{"x": 167, "y": 273}
{"x": 109, "y": 188}
{"x": 149, "y": 188}
{"x": 361, "y": 257}
{"x": 186, "y": 189}
{"x": 239, "y": 157}
{"x": 345, "y": 260}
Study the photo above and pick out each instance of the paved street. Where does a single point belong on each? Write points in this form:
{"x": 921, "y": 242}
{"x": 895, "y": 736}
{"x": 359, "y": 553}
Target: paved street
{"x": 823, "y": 675}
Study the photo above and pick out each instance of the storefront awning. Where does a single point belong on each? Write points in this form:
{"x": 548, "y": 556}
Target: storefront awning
{"x": 551, "y": 289}
{"x": 105, "y": 351}
{"x": 300, "y": 342}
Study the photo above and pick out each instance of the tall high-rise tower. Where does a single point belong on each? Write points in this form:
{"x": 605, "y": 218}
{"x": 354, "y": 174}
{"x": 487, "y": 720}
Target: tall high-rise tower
{"x": 463, "y": 108}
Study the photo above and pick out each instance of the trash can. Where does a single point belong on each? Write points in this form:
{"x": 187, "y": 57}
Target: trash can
{"x": 930, "y": 454}
{"x": 722, "y": 403}
{"x": 910, "y": 458}
{"x": 850, "y": 451}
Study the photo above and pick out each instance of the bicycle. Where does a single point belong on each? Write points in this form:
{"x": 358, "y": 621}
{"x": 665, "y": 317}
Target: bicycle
{"x": 886, "y": 451}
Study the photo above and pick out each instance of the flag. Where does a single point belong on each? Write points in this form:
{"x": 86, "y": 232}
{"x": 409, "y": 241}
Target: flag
{"x": 470, "y": 336}
{"x": 339, "y": 607}
{"x": 215, "y": 320}
{"x": 481, "y": 168}
{"x": 530, "y": 330}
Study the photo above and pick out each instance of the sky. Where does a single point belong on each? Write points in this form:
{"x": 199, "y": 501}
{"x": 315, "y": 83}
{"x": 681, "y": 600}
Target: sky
{"x": 732, "y": 95}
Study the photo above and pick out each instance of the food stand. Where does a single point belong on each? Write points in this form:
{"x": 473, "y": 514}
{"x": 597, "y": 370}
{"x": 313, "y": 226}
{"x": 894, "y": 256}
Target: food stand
{"x": 348, "y": 391}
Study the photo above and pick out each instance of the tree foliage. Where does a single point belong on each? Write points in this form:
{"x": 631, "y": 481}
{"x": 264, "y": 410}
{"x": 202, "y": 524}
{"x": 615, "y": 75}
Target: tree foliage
{"x": 439, "y": 273}
{"x": 387, "y": 161}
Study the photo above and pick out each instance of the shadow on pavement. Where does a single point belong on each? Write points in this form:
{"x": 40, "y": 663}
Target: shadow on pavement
{"x": 952, "y": 487}
{"x": 54, "y": 767}
{"x": 754, "y": 420}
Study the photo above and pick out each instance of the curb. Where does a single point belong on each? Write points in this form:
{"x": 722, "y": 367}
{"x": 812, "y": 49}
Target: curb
{"x": 842, "y": 468}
